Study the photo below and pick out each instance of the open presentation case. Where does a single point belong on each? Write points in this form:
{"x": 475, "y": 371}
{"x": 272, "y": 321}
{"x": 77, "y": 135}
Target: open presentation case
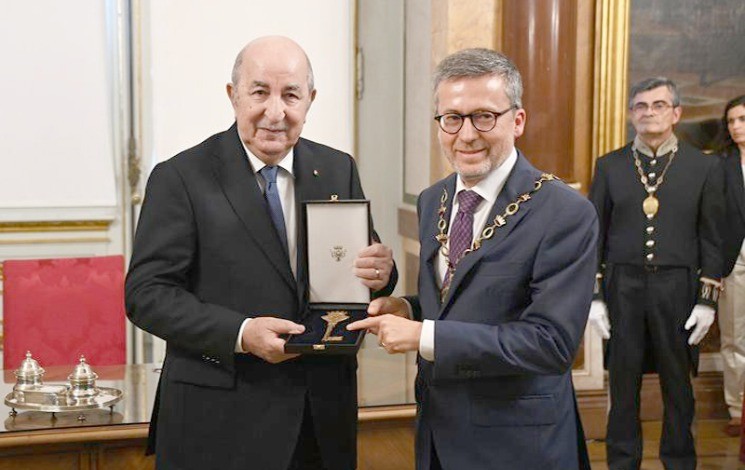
{"x": 336, "y": 231}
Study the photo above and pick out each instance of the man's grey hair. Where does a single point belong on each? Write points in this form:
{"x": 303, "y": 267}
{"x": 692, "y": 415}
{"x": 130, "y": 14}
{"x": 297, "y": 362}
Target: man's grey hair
{"x": 235, "y": 75}
{"x": 478, "y": 62}
{"x": 652, "y": 83}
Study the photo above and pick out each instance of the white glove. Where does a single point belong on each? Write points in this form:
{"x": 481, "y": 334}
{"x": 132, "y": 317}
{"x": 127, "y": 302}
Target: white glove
{"x": 598, "y": 318}
{"x": 702, "y": 316}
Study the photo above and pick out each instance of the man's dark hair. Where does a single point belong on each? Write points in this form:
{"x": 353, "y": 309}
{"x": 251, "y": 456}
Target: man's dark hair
{"x": 652, "y": 83}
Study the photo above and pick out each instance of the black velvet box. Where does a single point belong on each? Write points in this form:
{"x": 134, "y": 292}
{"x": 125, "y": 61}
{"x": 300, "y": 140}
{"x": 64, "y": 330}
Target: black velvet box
{"x": 339, "y": 340}
{"x": 335, "y": 232}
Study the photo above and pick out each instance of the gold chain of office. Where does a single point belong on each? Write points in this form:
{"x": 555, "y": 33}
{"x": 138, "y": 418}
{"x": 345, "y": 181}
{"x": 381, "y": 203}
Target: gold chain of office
{"x": 488, "y": 232}
{"x": 651, "y": 204}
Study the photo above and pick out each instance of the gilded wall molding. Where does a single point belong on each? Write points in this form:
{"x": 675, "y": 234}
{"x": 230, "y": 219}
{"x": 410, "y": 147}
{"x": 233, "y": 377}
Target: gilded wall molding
{"x": 52, "y": 241}
{"x": 55, "y": 226}
{"x": 611, "y": 75}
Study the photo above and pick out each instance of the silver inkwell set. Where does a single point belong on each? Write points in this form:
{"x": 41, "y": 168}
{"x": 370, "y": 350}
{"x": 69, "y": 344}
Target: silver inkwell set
{"x": 79, "y": 394}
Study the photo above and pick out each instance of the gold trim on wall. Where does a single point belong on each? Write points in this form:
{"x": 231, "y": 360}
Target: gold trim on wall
{"x": 47, "y": 241}
{"x": 611, "y": 77}
{"x": 55, "y": 226}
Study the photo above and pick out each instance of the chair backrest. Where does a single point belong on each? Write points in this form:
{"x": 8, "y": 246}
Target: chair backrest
{"x": 60, "y": 309}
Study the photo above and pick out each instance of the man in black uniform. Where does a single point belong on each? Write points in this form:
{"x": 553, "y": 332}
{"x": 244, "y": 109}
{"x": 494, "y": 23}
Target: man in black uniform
{"x": 660, "y": 204}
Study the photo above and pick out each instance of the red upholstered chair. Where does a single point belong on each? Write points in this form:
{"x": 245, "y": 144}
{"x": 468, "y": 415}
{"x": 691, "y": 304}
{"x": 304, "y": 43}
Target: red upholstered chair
{"x": 60, "y": 309}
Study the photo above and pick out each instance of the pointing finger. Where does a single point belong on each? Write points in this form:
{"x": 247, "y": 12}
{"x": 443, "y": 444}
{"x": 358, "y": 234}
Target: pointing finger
{"x": 371, "y": 323}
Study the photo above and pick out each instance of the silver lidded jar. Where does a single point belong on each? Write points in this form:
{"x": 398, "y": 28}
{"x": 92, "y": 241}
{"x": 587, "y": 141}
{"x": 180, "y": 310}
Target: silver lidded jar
{"x": 29, "y": 375}
{"x": 83, "y": 388}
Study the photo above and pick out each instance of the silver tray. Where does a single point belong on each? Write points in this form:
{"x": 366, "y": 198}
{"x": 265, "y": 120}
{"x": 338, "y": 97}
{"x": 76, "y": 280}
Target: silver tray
{"x": 107, "y": 397}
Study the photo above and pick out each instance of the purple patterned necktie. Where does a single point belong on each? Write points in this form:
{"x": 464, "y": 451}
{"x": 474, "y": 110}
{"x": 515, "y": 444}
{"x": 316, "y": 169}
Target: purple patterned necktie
{"x": 461, "y": 233}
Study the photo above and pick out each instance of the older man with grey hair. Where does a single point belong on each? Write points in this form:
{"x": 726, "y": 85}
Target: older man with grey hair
{"x": 506, "y": 272}
{"x": 217, "y": 272}
{"x": 660, "y": 203}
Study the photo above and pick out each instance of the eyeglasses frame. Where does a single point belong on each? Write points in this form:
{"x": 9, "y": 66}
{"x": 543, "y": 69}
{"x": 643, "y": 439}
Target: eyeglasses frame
{"x": 652, "y": 107}
{"x": 497, "y": 115}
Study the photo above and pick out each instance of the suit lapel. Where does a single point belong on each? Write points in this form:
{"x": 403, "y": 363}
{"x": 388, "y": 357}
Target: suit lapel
{"x": 430, "y": 247}
{"x": 238, "y": 181}
{"x": 734, "y": 173}
{"x": 520, "y": 181}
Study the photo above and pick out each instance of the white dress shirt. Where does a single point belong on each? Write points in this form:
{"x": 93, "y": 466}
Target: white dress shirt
{"x": 286, "y": 190}
{"x": 488, "y": 188}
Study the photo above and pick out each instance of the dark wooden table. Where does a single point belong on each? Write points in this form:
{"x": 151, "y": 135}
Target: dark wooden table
{"x": 104, "y": 439}
{"x": 34, "y": 440}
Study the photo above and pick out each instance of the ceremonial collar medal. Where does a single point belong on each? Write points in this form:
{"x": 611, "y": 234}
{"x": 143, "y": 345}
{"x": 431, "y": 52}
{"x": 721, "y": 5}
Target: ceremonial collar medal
{"x": 499, "y": 221}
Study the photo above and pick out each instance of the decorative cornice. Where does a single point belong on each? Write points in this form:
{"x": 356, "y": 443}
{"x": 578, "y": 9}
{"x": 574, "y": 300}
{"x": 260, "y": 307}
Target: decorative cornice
{"x": 50, "y": 241}
{"x": 55, "y": 226}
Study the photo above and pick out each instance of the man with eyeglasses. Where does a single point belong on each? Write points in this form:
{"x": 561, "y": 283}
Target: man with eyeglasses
{"x": 659, "y": 203}
{"x": 507, "y": 264}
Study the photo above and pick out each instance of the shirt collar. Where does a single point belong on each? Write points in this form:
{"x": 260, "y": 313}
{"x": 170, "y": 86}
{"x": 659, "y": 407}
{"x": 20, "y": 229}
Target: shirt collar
{"x": 489, "y": 187}
{"x": 670, "y": 145}
{"x": 257, "y": 164}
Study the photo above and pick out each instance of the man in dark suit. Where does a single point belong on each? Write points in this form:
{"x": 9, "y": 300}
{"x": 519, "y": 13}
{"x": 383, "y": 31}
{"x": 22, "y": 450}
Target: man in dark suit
{"x": 215, "y": 272}
{"x": 505, "y": 283}
{"x": 660, "y": 204}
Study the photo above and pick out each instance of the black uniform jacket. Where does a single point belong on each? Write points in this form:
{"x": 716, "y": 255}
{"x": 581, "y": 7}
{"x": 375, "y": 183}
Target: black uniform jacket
{"x": 686, "y": 230}
{"x": 734, "y": 227}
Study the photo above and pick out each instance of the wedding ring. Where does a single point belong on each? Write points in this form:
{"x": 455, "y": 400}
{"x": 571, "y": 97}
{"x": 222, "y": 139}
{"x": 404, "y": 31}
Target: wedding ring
{"x": 377, "y": 273}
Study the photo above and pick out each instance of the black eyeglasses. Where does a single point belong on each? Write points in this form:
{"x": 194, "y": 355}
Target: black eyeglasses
{"x": 483, "y": 121}
{"x": 658, "y": 107}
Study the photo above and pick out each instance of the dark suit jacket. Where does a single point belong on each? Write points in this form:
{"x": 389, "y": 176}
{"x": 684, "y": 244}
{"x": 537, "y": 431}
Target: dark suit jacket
{"x": 734, "y": 228}
{"x": 206, "y": 256}
{"x": 499, "y": 393}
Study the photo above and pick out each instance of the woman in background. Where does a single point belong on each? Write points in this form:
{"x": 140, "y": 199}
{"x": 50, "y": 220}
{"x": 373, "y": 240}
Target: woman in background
{"x": 732, "y": 300}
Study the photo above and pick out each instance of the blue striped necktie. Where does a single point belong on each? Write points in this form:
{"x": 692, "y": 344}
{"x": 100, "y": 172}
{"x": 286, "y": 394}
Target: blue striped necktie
{"x": 269, "y": 173}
